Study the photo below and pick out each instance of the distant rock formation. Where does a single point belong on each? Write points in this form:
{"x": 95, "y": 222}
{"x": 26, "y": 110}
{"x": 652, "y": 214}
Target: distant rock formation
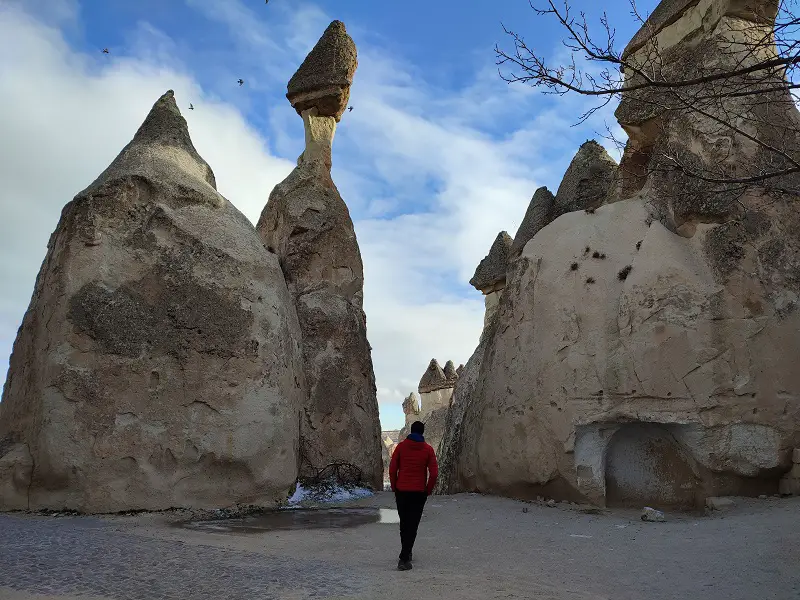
{"x": 587, "y": 182}
{"x": 158, "y": 364}
{"x": 307, "y": 224}
{"x": 539, "y": 214}
{"x": 490, "y": 276}
{"x": 436, "y": 392}
{"x": 433, "y": 379}
{"x": 646, "y": 354}
{"x": 390, "y": 439}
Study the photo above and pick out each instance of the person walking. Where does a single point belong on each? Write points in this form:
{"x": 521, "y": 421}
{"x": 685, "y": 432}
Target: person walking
{"x": 412, "y": 473}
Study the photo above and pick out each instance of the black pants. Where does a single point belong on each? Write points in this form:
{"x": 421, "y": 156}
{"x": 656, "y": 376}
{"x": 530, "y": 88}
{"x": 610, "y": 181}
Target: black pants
{"x": 409, "y": 508}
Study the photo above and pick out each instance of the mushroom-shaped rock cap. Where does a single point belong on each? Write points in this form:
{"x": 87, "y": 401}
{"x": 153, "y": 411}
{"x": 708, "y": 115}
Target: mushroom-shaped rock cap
{"x": 433, "y": 379}
{"x": 536, "y": 217}
{"x": 323, "y": 80}
{"x": 450, "y": 371}
{"x": 162, "y": 152}
{"x": 587, "y": 181}
{"x": 492, "y": 269}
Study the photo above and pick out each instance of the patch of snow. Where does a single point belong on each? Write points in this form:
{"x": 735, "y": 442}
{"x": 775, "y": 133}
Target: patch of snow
{"x": 327, "y": 493}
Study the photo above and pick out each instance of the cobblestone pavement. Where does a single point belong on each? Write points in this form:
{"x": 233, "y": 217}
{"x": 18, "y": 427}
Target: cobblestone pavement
{"x": 87, "y": 556}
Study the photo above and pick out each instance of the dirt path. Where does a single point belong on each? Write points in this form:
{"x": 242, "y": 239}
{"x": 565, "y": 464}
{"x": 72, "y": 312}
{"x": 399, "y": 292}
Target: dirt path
{"x": 470, "y": 547}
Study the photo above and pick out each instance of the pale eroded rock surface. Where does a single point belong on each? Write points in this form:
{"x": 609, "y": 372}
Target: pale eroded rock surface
{"x": 158, "y": 364}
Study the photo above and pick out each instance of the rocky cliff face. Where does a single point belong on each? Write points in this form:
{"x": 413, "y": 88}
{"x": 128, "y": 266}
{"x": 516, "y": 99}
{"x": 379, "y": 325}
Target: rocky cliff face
{"x": 158, "y": 364}
{"x": 645, "y": 352}
{"x": 307, "y": 224}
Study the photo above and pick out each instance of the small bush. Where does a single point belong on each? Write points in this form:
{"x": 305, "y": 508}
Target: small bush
{"x": 623, "y": 274}
{"x": 589, "y": 211}
{"x": 574, "y": 266}
{"x": 638, "y": 244}
{"x": 596, "y": 254}
{"x": 587, "y": 250}
{"x": 602, "y": 256}
{"x": 590, "y": 280}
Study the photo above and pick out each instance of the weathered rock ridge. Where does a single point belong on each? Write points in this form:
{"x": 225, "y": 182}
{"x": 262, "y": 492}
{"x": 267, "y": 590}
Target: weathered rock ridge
{"x": 308, "y": 226}
{"x": 645, "y": 352}
{"x": 158, "y": 364}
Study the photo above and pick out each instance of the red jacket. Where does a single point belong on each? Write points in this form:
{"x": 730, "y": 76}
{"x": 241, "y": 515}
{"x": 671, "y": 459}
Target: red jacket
{"x": 411, "y": 463}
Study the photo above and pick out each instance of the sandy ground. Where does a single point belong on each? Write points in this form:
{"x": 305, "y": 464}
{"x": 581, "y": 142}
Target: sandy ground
{"x": 474, "y": 547}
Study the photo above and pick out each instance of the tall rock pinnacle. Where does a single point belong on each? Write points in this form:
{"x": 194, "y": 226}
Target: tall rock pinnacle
{"x": 159, "y": 362}
{"x": 307, "y": 224}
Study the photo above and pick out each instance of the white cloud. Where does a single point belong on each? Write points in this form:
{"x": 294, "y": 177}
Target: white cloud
{"x": 430, "y": 175}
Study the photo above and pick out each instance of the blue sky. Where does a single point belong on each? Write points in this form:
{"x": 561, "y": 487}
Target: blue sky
{"x": 438, "y": 155}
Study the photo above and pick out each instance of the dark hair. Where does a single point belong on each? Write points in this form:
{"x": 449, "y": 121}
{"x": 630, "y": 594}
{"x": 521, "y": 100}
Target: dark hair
{"x": 418, "y": 427}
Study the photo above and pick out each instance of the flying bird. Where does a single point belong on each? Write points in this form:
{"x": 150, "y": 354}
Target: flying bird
{"x": 191, "y": 106}
{"x": 350, "y": 108}
{"x": 105, "y": 50}
{"x": 240, "y": 82}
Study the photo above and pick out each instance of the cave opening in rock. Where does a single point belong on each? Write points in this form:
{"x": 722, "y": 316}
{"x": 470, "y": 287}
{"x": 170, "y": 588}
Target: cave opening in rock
{"x": 646, "y": 466}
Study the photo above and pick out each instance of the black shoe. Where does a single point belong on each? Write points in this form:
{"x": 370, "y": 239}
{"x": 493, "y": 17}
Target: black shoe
{"x": 404, "y": 565}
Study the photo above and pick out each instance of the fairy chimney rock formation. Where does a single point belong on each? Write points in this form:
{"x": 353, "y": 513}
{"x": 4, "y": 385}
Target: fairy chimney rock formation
{"x": 158, "y": 364}
{"x": 307, "y": 224}
{"x": 324, "y": 78}
{"x": 663, "y": 368}
{"x": 459, "y": 370}
{"x": 538, "y": 215}
{"x": 436, "y": 387}
{"x": 587, "y": 182}
{"x": 490, "y": 276}
{"x": 435, "y": 395}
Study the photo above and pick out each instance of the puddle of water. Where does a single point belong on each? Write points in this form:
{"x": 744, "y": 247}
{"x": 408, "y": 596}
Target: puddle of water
{"x": 286, "y": 520}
